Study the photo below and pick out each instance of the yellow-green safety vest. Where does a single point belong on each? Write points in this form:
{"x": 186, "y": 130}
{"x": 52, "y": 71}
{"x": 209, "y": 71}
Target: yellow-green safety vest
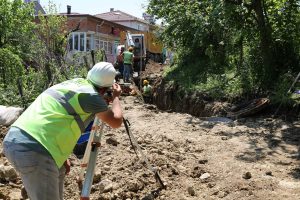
{"x": 56, "y": 120}
{"x": 147, "y": 90}
{"x": 127, "y": 57}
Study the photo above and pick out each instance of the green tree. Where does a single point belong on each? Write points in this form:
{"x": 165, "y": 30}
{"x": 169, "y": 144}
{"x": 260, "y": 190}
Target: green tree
{"x": 32, "y": 52}
{"x": 11, "y": 68}
{"x": 16, "y": 27}
{"x": 52, "y": 33}
{"x": 257, "y": 40}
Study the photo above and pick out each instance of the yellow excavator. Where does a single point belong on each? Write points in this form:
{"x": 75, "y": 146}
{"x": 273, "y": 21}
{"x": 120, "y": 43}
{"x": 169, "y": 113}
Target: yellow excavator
{"x": 146, "y": 46}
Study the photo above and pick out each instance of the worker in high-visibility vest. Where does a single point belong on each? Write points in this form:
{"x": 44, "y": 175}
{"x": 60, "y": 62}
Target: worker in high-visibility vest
{"x": 128, "y": 64}
{"x": 147, "y": 91}
{"x": 41, "y": 139}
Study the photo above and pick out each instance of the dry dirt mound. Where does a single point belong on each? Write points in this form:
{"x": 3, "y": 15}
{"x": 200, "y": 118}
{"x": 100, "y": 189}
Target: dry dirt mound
{"x": 152, "y": 71}
{"x": 198, "y": 158}
{"x": 153, "y": 68}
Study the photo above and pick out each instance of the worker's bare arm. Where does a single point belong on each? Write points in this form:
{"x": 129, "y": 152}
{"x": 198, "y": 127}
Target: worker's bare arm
{"x": 113, "y": 117}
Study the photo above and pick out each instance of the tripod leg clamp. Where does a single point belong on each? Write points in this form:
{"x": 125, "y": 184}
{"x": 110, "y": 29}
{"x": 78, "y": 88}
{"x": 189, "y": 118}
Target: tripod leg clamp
{"x": 94, "y": 145}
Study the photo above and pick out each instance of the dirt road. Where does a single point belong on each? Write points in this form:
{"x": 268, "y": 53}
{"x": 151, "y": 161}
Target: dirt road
{"x": 198, "y": 158}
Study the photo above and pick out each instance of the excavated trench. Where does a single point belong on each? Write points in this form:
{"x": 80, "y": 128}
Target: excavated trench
{"x": 171, "y": 97}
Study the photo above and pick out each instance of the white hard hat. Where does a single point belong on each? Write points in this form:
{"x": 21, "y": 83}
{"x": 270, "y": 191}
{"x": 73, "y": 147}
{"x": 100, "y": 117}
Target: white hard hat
{"x": 102, "y": 74}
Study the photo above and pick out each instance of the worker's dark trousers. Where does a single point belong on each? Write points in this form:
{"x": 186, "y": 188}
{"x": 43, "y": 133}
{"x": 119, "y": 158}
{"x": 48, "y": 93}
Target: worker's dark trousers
{"x": 147, "y": 99}
{"x": 127, "y": 72}
{"x": 41, "y": 177}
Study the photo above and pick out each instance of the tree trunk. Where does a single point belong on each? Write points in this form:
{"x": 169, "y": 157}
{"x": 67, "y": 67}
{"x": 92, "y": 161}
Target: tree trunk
{"x": 48, "y": 72}
{"x": 241, "y": 55}
{"x": 265, "y": 40}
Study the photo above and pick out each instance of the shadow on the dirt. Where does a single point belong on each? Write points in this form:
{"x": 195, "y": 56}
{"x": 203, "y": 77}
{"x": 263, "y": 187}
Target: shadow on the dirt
{"x": 295, "y": 173}
{"x": 254, "y": 156}
{"x": 275, "y": 143}
{"x": 276, "y": 139}
{"x": 292, "y": 136}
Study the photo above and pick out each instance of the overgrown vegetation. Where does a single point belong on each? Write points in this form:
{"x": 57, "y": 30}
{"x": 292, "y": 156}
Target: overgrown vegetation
{"x": 233, "y": 48}
{"x": 32, "y": 52}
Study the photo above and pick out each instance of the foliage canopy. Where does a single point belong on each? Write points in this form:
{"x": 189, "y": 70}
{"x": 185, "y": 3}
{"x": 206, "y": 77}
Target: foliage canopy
{"x": 32, "y": 52}
{"x": 242, "y": 44}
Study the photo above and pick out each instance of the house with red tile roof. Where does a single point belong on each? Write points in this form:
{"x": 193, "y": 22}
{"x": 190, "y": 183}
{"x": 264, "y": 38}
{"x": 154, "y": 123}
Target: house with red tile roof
{"x": 126, "y": 19}
{"x": 94, "y": 33}
{"x": 153, "y": 47}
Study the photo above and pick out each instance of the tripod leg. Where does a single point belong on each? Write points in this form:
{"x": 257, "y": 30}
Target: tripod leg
{"x": 88, "y": 181}
{"x": 87, "y": 152}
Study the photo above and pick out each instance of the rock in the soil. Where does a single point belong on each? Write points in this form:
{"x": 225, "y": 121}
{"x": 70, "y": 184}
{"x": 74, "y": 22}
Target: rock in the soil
{"x": 197, "y": 172}
{"x": 181, "y": 168}
{"x": 104, "y": 196}
{"x": 150, "y": 107}
{"x": 9, "y": 115}
{"x": 135, "y": 186}
{"x": 222, "y": 194}
{"x": 106, "y": 167}
{"x": 8, "y": 173}
{"x": 289, "y": 184}
{"x": 211, "y": 185}
{"x": 204, "y": 161}
{"x": 15, "y": 195}
{"x": 269, "y": 173}
{"x": 174, "y": 171}
{"x": 204, "y": 176}
{"x": 149, "y": 197}
{"x": 191, "y": 191}
{"x": 105, "y": 186}
{"x": 97, "y": 176}
{"x": 112, "y": 141}
{"x": 247, "y": 175}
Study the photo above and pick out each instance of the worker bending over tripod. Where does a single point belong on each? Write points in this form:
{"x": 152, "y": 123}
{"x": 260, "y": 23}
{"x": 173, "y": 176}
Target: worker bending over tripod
{"x": 39, "y": 142}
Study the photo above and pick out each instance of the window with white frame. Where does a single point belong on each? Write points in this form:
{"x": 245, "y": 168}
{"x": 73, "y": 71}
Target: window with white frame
{"x": 78, "y": 41}
{"x": 70, "y": 43}
{"x": 82, "y": 41}
{"x": 96, "y": 44}
{"x": 107, "y": 46}
{"x": 82, "y": 44}
{"x": 103, "y": 44}
{"x": 89, "y": 41}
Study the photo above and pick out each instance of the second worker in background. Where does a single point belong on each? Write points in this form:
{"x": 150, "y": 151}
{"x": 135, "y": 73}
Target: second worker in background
{"x": 128, "y": 64}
